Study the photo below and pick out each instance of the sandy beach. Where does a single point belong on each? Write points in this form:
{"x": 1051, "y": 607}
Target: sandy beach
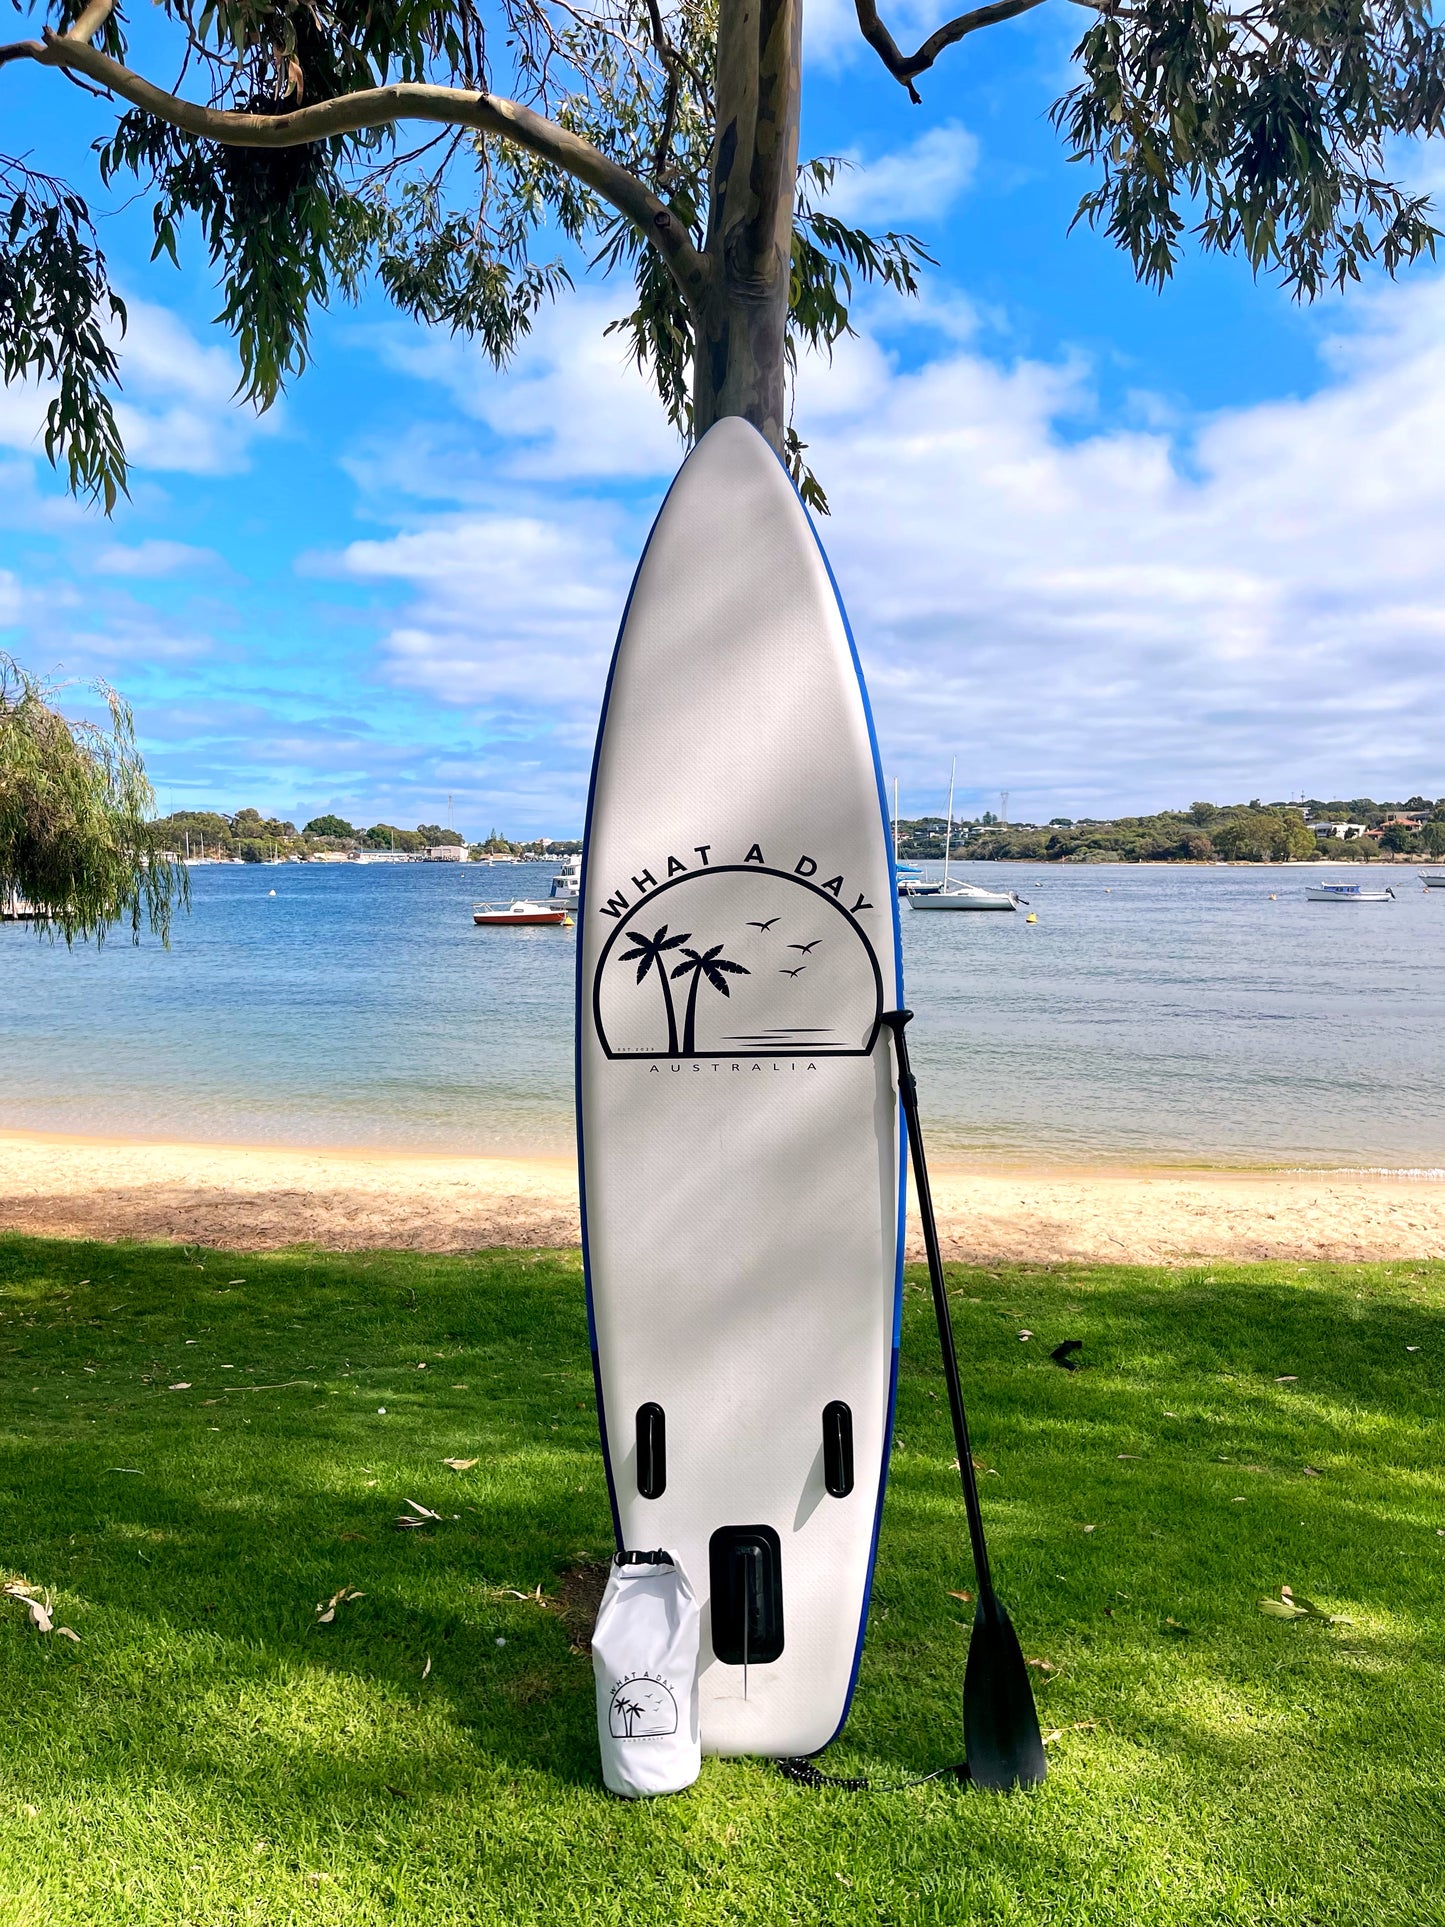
{"x": 261, "y": 1198}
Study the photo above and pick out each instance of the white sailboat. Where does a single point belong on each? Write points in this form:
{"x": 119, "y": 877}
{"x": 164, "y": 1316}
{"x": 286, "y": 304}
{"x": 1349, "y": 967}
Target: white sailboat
{"x": 959, "y": 895}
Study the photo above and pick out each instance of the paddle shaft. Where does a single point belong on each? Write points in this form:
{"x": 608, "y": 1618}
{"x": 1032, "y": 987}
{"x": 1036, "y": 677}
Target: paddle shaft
{"x": 896, "y": 1021}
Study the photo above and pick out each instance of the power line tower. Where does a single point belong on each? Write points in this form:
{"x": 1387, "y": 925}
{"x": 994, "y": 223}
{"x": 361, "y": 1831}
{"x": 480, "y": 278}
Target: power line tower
{"x": 1003, "y": 806}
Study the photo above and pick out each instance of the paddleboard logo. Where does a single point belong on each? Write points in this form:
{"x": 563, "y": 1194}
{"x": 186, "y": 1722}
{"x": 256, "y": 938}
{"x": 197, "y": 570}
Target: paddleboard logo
{"x": 737, "y": 959}
{"x": 643, "y": 1708}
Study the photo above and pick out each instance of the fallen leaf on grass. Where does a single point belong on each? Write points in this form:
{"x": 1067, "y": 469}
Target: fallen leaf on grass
{"x": 1043, "y": 1665}
{"x": 1024, "y": 1337}
{"x": 183, "y": 1386}
{"x": 1290, "y": 1605}
{"x": 1289, "y": 1378}
{"x": 966, "y": 1597}
{"x": 427, "y": 1668}
{"x": 420, "y": 1515}
{"x": 1079, "y": 1726}
{"x": 1137, "y": 1456}
{"x": 1176, "y": 1628}
{"x": 38, "y": 1605}
{"x": 1090, "y": 1528}
{"x": 66, "y": 1633}
{"x": 461, "y": 1465}
{"x": 326, "y": 1608}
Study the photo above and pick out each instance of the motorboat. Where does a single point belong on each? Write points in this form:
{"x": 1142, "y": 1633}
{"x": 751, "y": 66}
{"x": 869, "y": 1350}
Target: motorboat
{"x": 567, "y": 884}
{"x": 1432, "y": 882}
{"x": 521, "y": 914}
{"x": 957, "y": 895}
{"x": 917, "y": 886}
{"x": 1347, "y": 893}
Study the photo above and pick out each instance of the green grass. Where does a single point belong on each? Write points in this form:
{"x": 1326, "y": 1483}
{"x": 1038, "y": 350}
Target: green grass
{"x": 208, "y": 1754}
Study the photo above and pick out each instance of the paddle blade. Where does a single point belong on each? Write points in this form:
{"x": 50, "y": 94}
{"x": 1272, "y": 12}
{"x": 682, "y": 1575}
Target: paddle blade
{"x": 1001, "y": 1735}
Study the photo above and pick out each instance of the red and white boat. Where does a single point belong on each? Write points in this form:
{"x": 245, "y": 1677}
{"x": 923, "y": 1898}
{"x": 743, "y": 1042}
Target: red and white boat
{"x": 521, "y": 914}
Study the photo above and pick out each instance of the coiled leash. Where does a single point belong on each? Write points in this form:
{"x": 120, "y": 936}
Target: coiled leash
{"x": 804, "y": 1773}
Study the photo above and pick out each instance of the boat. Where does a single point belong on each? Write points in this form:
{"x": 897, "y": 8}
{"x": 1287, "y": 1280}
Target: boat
{"x": 567, "y": 884}
{"x": 1347, "y": 893}
{"x": 957, "y": 895}
{"x": 521, "y": 914}
{"x": 965, "y": 896}
{"x": 1432, "y": 882}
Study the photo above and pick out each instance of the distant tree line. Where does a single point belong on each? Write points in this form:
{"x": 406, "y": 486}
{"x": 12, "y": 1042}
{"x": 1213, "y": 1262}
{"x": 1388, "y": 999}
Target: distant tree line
{"x": 536, "y": 850}
{"x": 249, "y": 837}
{"x": 1252, "y": 832}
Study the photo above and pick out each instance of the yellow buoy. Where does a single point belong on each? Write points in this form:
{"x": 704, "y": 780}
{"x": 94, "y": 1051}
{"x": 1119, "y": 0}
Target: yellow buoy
{"x": 1030, "y": 918}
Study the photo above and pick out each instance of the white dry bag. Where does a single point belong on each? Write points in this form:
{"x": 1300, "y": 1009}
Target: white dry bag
{"x": 644, "y": 1657}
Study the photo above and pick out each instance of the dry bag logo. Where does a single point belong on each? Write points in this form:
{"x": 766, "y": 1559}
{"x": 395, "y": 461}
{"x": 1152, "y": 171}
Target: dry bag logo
{"x": 643, "y": 1708}
{"x": 737, "y": 959}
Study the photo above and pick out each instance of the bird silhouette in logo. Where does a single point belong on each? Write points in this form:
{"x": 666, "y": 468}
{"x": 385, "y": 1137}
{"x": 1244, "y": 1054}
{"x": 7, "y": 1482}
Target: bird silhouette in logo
{"x": 806, "y": 947}
{"x": 755, "y": 925}
{"x": 793, "y": 973}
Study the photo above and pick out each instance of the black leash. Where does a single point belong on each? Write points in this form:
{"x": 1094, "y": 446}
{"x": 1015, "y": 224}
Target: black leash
{"x": 804, "y": 1773}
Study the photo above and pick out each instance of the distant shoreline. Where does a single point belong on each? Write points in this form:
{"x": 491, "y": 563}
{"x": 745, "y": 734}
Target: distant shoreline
{"x": 254, "y": 1197}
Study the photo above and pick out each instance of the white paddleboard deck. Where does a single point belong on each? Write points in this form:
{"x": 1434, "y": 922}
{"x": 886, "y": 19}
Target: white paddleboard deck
{"x": 737, "y": 1108}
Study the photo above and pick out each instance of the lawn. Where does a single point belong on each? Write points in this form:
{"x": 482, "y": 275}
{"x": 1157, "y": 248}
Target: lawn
{"x": 196, "y": 1453}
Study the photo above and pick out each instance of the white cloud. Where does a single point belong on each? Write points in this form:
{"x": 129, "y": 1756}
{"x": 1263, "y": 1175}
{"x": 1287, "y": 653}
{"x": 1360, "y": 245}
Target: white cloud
{"x": 1094, "y": 618}
{"x": 919, "y": 182}
{"x": 1110, "y": 619}
{"x": 571, "y": 406}
{"x": 506, "y": 611}
{"x": 176, "y": 411}
{"x": 10, "y": 599}
{"x": 154, "y": 557}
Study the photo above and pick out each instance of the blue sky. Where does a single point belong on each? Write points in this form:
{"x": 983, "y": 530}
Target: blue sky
{"x": 1114, "y": 550}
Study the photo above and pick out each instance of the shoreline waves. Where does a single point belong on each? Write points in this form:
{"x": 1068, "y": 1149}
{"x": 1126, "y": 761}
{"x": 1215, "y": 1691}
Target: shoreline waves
{"x": 266, "y": 1197}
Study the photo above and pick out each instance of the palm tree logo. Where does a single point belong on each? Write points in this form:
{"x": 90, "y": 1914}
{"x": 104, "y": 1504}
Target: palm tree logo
{"x": 631, "y": 1711}
{"x": 646, "y": 952}
{"x": 703, "y": 963}
{"x": 643, "y": 1708}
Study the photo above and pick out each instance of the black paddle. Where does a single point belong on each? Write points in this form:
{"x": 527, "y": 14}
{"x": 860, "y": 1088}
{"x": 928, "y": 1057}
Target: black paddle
{"x": 1000, "y": 1724}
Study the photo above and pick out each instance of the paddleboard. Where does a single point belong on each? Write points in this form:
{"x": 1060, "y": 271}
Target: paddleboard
{"x": 738, "y": 1128}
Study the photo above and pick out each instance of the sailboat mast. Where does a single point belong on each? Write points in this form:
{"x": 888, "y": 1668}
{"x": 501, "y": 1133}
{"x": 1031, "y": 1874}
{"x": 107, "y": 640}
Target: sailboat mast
{"x": 948, "y": 833}
{"x": 895, "y": 822}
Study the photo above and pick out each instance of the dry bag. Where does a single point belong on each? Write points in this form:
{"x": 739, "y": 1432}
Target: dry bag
{"x": 644, "y": 1657}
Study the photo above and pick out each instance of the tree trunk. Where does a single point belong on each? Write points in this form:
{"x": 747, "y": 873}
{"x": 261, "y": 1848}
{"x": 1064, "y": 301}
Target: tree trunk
{"x": 742, "y": 327}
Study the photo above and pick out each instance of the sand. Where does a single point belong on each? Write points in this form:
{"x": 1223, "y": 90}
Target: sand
{"x": 258, "y": 1198}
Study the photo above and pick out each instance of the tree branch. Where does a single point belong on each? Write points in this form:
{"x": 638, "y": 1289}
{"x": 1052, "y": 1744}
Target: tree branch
{"x": 379, "y": 107}
{"x": 904, "y": 66}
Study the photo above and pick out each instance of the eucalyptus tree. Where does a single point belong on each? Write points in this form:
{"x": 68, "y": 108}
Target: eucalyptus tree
{"x": 79, "y": 848}
{"x": 465, "y": 153}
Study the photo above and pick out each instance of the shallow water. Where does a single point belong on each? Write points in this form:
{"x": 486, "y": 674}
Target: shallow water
{"x": 1152, "y": 1015}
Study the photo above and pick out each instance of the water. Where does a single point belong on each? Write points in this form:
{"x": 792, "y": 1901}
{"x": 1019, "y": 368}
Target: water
{"x": 1151, "y": 1016}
